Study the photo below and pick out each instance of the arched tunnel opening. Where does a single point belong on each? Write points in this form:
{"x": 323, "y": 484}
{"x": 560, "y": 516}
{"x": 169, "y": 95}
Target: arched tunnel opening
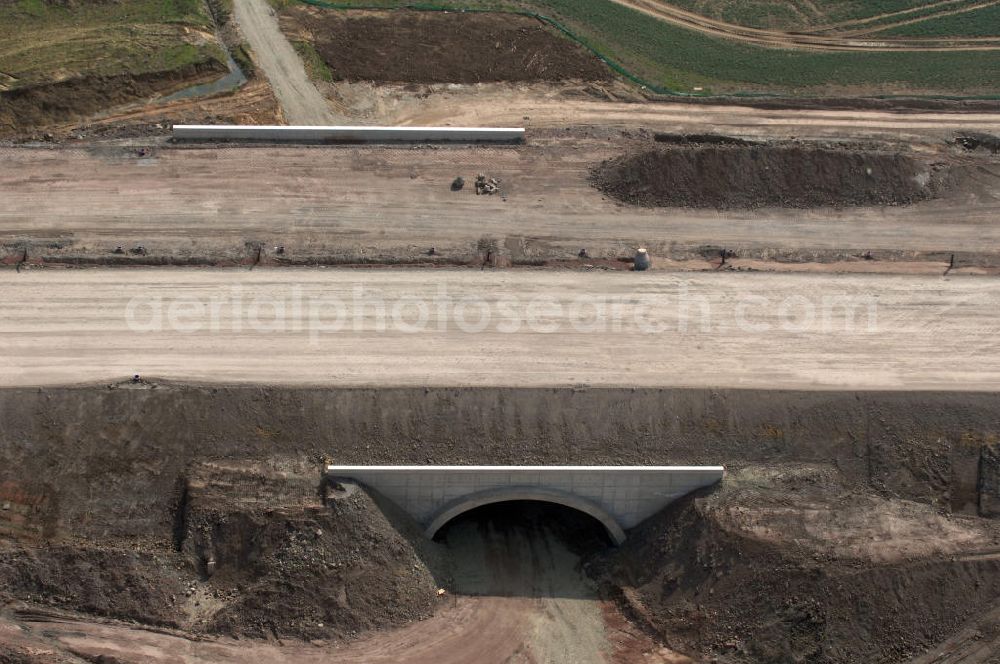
{"x": 523, "y": 548}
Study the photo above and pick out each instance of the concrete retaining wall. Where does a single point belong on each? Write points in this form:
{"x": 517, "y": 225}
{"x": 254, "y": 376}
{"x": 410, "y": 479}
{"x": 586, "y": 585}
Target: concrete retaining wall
{"x": 347, "y": 134}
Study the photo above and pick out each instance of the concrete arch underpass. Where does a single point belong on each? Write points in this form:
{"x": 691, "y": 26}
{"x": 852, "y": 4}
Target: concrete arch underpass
{"x": 503, "y": 495}
{"x": 619, "y": 497}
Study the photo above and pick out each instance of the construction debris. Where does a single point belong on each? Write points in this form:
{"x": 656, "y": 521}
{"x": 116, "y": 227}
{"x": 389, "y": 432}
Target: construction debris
{"x": 487, "y": 186}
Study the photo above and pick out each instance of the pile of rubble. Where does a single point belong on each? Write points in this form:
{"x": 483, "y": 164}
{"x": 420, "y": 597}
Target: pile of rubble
{"x": 487, "y": 186}
{"x": 484, "y": 185}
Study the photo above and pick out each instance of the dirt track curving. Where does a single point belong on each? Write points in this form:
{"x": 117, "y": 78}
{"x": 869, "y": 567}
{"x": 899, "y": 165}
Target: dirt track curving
{"x": 775, "y": 39}
{"x": 947, "y": 6}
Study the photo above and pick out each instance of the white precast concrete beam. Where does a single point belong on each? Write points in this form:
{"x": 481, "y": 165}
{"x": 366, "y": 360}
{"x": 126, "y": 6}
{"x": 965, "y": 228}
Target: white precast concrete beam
{"x": 620, "y": 497}
{"x": 348, "y": 134}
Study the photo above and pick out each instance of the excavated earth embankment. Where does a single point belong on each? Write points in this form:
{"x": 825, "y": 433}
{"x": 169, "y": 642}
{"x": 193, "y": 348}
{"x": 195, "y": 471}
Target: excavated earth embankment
{"x": 753, "y": 176}
{"x": 852, "y": 526}
{"x": 260, "y": 549}
{"x": 791, "y": 563}
{"x": 24, "y": 110}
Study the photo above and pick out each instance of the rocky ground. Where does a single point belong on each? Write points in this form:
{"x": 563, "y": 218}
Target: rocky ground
{"x": 255, "y": 551}
{"x": 793, "y": 563}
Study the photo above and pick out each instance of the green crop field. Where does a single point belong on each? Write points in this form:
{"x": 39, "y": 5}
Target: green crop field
{"x": 681, "y": 60}
{"x": 42, "y": 41}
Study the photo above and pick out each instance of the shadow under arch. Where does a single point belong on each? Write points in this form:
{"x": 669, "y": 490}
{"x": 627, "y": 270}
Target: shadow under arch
{"x": 506, "y": 494}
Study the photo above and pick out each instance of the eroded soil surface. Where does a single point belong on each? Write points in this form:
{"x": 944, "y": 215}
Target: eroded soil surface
{"x": 466, "y": 48}
{"x": 768, "y": 176}
{"x": 24, "y": 110}
{"x": 850, "y": 527}
{"x": 792, "y": 563}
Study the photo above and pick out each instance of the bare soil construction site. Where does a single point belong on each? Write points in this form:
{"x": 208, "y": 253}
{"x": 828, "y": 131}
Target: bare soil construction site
{"x": 772, "y": 176}
{"x": 192, "y": 333}
{"x": 393, "y": 48}
{"x": 850, "y": 527}
{"x": 921, "y": 203}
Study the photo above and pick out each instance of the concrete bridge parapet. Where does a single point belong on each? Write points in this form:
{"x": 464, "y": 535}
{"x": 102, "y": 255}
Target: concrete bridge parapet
{"x": 619, "y": 497}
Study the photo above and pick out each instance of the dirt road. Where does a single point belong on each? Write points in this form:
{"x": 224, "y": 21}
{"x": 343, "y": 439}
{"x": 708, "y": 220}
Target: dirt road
{"x": 463, "y": 327}
{"x": 519, "y": 596}
{"x": 617, "y": 105}
{"x": 300, "y": 101}
{"x": 489, "y": 630}
{"x": 481, "y": 629}
{"x": 360, "y": 203}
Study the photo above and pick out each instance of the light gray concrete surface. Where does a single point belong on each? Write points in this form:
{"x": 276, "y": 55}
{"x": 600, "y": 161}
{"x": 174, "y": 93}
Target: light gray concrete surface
{"x": 619, "y": 497}
{"x": 347, "y": 134}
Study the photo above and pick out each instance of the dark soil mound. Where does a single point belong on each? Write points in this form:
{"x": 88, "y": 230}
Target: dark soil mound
{"x": 255, "y": 551}
{"x": 789, "y": 564}
{"x": 114, "y": 582}
{"x": 976, "y": 140}
{"x": 434, "y": 47}
{"x": 290, "y": 562}
{"x": 28, "y": 108}
{"x": 764, "y": 176}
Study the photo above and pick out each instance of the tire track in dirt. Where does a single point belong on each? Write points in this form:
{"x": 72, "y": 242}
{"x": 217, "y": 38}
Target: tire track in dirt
{"x": 519, "y": 596}
{"x": 876, "y": 29}
{"x": 301, "y": 102}
{"x": 776, "y": 39}
{"x": 877, "y": 17}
